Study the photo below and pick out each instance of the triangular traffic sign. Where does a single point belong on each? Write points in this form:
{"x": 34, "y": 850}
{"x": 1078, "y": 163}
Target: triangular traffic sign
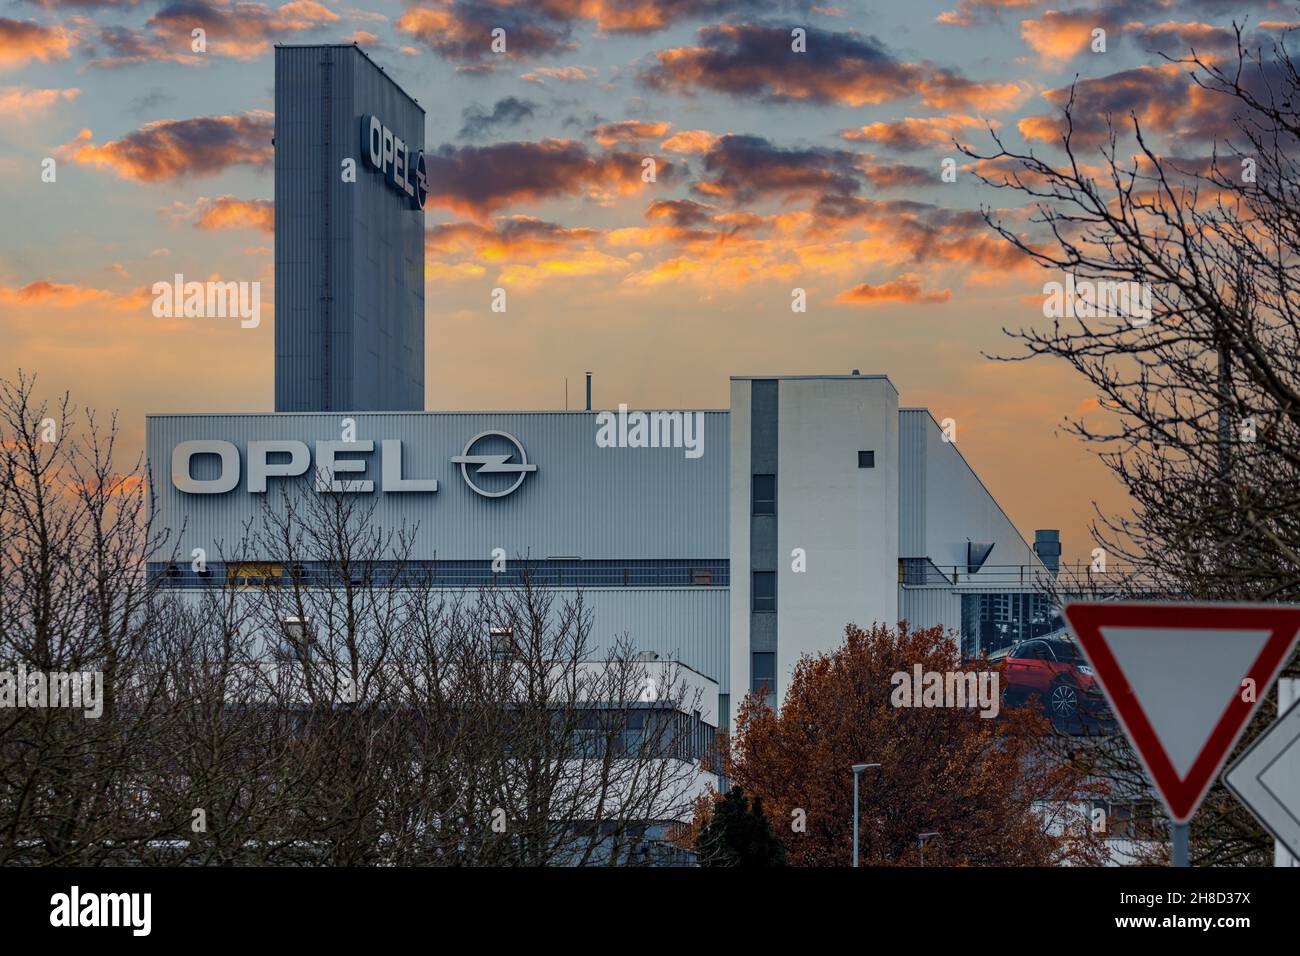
{"x": 1175, "y": 675}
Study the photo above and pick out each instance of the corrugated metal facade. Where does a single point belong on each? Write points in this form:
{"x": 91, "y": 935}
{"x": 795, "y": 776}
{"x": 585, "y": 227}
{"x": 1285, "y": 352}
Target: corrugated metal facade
{"x": 587, "y": 504}
{"x": 926, "y": 607}
{"x": 349, "y": 256}
{"x": 686, "y": 624}
{"x": 942, "y": 504}
{"x": 912, "y": 425}
{"x": 582, "y": 502}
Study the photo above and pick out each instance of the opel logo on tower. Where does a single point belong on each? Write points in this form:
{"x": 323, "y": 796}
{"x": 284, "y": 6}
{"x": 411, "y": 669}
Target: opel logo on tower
{"x": 498, "y": 463}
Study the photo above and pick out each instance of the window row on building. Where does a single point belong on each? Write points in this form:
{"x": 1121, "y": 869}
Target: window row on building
{"x": 451, "y": 574}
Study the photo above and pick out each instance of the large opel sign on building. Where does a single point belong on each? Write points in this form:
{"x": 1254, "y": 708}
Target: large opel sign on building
{"x": 402, "y": 166}
{"x": 333, "y": 467}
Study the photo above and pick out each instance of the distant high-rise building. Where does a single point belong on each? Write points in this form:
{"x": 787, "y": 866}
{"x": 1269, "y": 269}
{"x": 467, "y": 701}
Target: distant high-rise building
{"x": 349, "y": 234}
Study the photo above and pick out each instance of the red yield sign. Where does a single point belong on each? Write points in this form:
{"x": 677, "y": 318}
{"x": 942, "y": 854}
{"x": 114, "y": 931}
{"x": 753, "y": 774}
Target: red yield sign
{"x": 1183, "y": 679}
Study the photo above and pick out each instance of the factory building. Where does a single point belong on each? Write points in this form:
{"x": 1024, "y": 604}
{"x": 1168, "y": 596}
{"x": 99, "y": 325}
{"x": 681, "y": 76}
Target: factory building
{"x": 733, "y": 540}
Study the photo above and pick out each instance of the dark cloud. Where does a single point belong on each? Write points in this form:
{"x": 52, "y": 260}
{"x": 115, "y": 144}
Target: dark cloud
{"x": 150, "y": 101}
{"x": 682, "y": 213}
{"x": 177, "y": 149}
{"x": 234, "y": 28}
{"x": 847, "y": 69}
{"x": 82, "y": 4}
{"x": 1163, "y": 98}
{"x": 476, "y": 121}
{"x": 461, "y": 30}
{"x": 478, "y": 180}
{"x": 744, "y": 168}
{"x": 127, "y": 46}
{"x": 756, "y": 60}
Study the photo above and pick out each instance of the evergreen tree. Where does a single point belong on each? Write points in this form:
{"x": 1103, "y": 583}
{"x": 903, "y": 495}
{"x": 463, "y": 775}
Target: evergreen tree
{"x": 739, "y": 834}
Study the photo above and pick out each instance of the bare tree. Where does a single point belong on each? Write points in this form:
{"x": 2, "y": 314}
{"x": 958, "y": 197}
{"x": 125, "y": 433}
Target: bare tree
{"x": 1203, "y": 394}
{"x": 317, "y": 697}
{"x": 74, "y": 599}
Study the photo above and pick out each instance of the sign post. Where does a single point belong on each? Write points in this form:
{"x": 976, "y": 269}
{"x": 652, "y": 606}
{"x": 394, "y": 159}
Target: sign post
{"x": 1184, "y": 680}
{"x": 1266, "y": 778}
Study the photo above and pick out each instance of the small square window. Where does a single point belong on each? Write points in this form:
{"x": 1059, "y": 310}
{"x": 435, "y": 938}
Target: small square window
{"x": 866, "y": 459}
{"x": 762, "y": 676}
{"x": 764, "y": 591}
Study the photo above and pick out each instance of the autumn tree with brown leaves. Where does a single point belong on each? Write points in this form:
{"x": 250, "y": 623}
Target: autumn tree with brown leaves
{"x": 998, "y": 791}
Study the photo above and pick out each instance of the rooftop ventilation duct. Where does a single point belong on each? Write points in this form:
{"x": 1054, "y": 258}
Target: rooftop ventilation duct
{"x": 977, "y": 552}
{"x": 1047, "y": 545}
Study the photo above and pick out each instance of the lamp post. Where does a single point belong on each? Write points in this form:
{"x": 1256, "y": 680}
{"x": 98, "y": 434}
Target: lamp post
{"x": 857, "y": 770}
{"x": 921, "y": 838}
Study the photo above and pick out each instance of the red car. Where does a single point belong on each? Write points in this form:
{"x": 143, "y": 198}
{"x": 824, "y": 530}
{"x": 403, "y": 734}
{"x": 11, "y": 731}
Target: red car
{"x": 1054, "y": 671}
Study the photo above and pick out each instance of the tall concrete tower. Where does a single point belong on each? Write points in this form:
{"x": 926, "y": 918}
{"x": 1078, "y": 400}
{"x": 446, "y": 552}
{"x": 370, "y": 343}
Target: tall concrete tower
{"x": 349, "y": 234}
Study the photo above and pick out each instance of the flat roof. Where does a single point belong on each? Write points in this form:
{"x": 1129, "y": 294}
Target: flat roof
{"x": 354, "y": 46}
{"x": 798, "y": 378}
{"x": 481, "y": 411}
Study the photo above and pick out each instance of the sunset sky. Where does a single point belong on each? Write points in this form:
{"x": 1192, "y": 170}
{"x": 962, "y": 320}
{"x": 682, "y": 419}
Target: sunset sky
{"x": 776, "y": 170}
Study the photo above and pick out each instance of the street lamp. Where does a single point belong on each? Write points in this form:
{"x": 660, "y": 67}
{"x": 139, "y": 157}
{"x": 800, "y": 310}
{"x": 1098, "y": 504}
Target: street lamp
{"x": 857, "y": 769}
{"x": 921, "y": 838}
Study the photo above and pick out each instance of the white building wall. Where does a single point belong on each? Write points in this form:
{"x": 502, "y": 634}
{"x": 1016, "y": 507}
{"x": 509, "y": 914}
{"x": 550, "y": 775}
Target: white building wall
{"x": 843, "y": 516}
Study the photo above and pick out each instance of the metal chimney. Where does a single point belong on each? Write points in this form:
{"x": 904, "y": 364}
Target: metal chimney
{"x": 588, "y": 391}
{"x": 1047, "y": 545}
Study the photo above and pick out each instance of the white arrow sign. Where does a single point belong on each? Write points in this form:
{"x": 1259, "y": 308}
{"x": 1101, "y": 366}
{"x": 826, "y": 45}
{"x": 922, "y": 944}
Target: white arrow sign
{"x": 1266, "y": 778}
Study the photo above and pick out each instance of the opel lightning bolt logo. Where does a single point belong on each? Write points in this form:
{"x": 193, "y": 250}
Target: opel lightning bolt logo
{"x": 494, "y": 464}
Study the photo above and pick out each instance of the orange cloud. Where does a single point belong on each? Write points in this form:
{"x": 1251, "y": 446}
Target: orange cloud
{"x": 229, "y": 212}
{"x": 1059, "y": 37}
{"x": 19, "y": 103}
{"x": 690, "y": 141}
{"x": 22, "y": 41}
{"x": 581, "y": 264}
{"x": 906, "y": 288}
{"x": 628, "y": 131}
{"x": 173, "y": 149}
{"x": 945, "y": 90}
{"x": 512, "y": 238}
{"x": 968, "y": 11}
{"x": 526, "y": 250}
{"x": 723, "y": 271}
{"x": 69, "y": 295}
{"x": 913, "y": 132}
{"x": 569, "y": 74}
